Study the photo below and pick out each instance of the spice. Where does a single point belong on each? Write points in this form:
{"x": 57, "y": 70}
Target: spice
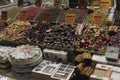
{"x": 13, "y": 12}
{"x": 80, "y": 15}
{"x": 31, "y": 12}
{"x": 49, "y": 15}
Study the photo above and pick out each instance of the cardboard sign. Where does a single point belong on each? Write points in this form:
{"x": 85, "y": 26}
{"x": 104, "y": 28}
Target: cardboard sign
{"x": 70, "y": 18}
{"x": 97, "y": 19}
{"x": 105, "y": 4}
{"x": 47, "y": 16}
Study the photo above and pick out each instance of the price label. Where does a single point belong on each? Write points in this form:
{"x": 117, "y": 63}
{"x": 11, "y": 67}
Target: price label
{"x": 97, "y": 19}
{"x": 70, "y": 18}
{"x": 47, "y": 16}
{"x": 105, "y": 4}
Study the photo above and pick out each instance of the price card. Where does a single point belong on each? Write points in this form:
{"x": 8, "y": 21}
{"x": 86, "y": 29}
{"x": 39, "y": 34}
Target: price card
{"x": 70, "y": 18}
{"x": 105, "y": 4}
{"x": 97, "y": 19}
{"x": 47, "y": 16}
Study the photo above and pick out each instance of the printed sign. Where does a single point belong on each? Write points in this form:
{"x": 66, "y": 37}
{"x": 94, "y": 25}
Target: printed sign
{"x": 70, "y": 18}
{"x": 105, "y": 4}
{"x": 97, "y": 19}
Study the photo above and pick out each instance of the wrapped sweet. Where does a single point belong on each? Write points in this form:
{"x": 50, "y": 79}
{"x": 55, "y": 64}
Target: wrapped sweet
{"x": 25, "y": 58}
{"x": 4, "y": 62}
{"x": 14, "y": 30}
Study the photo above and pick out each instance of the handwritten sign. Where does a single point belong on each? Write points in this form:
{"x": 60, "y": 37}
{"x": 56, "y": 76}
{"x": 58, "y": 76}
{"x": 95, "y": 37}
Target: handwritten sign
{"x": 47, "y": 16}
{"x": 97, "y": 19}
{"x": 70, "y": 18}
{"x": 105, "y": 4}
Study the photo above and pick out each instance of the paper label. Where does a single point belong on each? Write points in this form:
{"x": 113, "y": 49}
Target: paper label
{"x": 70, "y": 18}
{"x": 105, "y": 4}
{"x": 97, "y": 19}
{"x": 47, "y": 16}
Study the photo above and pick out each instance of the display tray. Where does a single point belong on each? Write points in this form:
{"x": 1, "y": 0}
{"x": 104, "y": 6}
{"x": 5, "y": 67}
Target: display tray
{"x": 102, "y": 59}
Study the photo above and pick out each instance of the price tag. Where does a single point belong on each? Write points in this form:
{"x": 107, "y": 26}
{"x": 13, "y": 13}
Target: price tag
{"x": 47, "y": 16}
{"x": 70, "y": 18}
{"x": 105, "y": 4}
{"x": 97, "y": 19}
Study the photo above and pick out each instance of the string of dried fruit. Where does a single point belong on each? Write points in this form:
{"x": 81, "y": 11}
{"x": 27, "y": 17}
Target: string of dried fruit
{"x": 80, "y": 15}
{"x": 14, "y": 30}
{"x": 61, "y": 37}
